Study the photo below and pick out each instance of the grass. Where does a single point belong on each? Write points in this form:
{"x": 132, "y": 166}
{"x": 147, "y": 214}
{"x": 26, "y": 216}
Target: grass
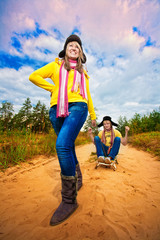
{"x": 82, "y": 139}
{"x": 21, "y": 146}
{"x": 149, "y": 142}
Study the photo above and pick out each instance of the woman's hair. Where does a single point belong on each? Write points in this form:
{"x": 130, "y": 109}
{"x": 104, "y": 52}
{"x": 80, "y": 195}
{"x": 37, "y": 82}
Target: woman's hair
{"x": 79, "y": 66}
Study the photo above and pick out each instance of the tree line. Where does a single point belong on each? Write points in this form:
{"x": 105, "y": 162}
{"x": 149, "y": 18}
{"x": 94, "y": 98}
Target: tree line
{"x": 36, "y": 118}
{"x": 141, "y": 123}
{"x": 138, "y": 124}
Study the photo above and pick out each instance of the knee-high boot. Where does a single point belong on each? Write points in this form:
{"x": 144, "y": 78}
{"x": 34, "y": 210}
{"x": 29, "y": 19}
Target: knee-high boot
{"x": 79, "y": 175}
{"x": 69, "y": 202}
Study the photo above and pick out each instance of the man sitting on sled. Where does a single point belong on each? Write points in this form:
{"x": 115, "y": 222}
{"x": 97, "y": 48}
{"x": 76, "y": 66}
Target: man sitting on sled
{"x": 108, "y": 140}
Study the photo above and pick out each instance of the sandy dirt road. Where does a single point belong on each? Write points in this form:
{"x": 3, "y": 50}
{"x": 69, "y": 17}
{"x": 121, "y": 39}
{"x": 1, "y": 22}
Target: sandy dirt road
{"x": 122, "y": 204}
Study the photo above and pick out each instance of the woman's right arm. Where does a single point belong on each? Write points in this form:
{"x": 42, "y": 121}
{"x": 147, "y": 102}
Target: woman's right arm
{"x": 91, "y": 134}
{"x": 38, "y": 77}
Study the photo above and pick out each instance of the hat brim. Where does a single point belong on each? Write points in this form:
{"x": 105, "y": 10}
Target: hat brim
{"x": 113, "y": 124}
{"x": 62, "y": 55}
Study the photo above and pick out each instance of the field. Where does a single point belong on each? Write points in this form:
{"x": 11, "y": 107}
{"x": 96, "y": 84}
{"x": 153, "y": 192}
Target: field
{"x": 21, "y": 146}
{"x": 149, "y": 142}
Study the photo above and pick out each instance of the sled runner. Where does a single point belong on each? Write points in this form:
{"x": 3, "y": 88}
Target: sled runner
{"x": 103, "y": 161}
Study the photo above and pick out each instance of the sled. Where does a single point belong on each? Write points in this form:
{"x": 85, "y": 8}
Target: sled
{"x": 112, "y": 165}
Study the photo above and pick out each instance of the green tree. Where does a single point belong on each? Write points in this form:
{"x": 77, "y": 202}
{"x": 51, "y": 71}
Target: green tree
{"x": 135, "y": 126}
{"x": 40, "y": 116}
{"x": 88, "y": 123}
{"x": 122, "y": 122}
{"x": 24, "y": 117}
{"x": 145, "y": 123}
{"x": 17, "y": 121}
{"x": 155, "y": 120}
{"x": 6, "y": 113}
{"x": 26, "y": 113}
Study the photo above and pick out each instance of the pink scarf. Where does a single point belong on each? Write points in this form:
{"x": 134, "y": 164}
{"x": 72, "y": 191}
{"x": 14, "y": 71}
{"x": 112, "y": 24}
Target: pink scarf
{"x": 103, "y": 139}
{"x": 78, "y": 81}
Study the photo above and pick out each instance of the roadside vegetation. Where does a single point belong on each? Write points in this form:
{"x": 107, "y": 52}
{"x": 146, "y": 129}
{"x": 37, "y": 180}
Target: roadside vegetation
{"x": 144, "y": 131}
{"x": 149, "y": 142}
{"x": 29, "y": 133}
{"x": 21, "y": 146}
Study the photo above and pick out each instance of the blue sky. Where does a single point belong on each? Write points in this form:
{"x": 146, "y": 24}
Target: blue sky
{"x": 121, "y": 39}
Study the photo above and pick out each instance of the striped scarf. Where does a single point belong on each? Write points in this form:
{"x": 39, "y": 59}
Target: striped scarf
{"x": 78, "y": 82}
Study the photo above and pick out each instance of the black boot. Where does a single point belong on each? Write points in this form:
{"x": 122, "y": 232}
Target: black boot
{"x": 69, "y": 202}
{"x": 79, "y": 174}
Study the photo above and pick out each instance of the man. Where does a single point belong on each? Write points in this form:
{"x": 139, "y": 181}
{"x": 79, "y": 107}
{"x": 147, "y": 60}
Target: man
{"x": 108, "y": 140}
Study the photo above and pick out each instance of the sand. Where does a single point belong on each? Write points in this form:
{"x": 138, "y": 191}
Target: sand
{"x": 122, "y": 204}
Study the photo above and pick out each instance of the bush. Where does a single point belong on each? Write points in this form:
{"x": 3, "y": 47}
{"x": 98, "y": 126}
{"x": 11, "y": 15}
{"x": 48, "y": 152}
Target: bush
{"x": 149, "y": 142}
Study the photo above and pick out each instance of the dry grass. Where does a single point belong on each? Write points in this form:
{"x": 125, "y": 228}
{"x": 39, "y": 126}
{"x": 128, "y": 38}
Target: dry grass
{"x": 149, "y": 142}
{"x": 20, "y": 146}
{"x": 82, "y": 139}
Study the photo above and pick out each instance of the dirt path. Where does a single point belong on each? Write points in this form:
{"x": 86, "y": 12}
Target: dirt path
{"x": 122, "y": 204}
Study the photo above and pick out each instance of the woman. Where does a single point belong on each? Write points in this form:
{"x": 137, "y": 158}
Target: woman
{"x": 108, "y": 140}
{"x": 70, "y": 103}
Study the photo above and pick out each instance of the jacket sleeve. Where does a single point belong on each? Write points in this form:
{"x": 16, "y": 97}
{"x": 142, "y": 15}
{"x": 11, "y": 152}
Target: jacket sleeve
{"x": 90, "y": 102}
{"x": 38, "y": 77}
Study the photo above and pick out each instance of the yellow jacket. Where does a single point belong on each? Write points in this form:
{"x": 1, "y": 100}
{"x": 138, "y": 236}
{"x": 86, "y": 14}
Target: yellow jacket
{"x": 51, "y": 71}
{"x": 108, "y": 136}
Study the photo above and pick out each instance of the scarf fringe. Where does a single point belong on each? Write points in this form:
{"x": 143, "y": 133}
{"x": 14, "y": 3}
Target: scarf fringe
{"x": 103, "y": 139}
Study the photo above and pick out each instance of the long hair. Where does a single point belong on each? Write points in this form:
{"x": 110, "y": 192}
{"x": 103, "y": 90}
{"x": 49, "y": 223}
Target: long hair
{"x": 79, "y": 66}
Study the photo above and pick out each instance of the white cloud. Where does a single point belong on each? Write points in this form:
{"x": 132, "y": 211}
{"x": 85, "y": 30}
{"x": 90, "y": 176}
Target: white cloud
{"x": 124, "y": 75}
{"x": 16, "y": 87}
{"x": 131, "y": 104}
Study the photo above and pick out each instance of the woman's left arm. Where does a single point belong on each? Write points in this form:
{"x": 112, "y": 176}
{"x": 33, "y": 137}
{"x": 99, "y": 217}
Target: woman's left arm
{"x": 90, "y": 104}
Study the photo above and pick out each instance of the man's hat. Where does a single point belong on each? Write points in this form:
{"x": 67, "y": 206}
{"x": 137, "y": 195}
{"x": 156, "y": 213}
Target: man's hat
{"x": 109, "y": 119}
{"x": 72, "y": 38}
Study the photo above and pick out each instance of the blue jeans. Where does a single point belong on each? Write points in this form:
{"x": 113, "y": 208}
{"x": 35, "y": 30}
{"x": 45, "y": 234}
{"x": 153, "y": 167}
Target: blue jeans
{"x": 67, "y": 130}
{"x": 102, "y": 148}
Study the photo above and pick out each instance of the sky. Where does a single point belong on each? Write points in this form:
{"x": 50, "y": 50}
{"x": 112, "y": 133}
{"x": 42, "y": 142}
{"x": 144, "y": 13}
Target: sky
{"x": 120, "y": 38}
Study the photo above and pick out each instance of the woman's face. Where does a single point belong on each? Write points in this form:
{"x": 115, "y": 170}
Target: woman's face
{"x": 107, "y": 125}
{"x": 72, "y": 50}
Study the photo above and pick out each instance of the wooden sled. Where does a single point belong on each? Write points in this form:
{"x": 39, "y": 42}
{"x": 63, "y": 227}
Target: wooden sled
{"x": 112, "y": 165}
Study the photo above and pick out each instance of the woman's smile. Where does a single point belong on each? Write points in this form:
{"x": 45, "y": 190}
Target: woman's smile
{"x": 72, "y": 50}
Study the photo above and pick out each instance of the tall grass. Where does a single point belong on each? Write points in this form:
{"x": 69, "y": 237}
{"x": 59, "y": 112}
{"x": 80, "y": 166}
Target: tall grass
{"x": 82, "y": 139}
{"x": 149, "y": 142}
{"x": 20, "y": 146}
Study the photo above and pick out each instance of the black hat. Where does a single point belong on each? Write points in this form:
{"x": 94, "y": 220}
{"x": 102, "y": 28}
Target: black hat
{"x": 109, "y": 119}
{"x": 72, "y": 38}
